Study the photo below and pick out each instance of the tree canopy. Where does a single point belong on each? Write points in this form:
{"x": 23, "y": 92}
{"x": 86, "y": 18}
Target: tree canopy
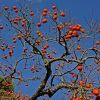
{"x": 47, "y": 52}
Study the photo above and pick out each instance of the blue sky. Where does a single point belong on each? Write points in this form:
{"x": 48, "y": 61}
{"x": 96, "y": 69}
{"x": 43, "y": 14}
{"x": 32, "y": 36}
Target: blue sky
{"x": 79, "y": 9}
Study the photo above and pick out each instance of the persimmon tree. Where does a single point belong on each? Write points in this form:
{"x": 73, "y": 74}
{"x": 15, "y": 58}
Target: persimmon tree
{"x": 48, "y": 47}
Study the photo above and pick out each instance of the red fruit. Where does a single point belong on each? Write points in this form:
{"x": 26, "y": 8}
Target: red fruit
{"x": 13, "y": 46}
{"x": 44, "y": 13}
{"x": 98, "y": 31}
{"x": 8, "y": 84}
{"x": 5, "y": 56}
{"x": 10, "y": 53}
{"x": 6, "y": 8}
{"x": 87, "y": 85}
{"x": 55, "y": 17}
{"x": 3, "y": 49}
{"x": 45, "y": 10}
{"x": 18, "y": 18}
{"x": 55, "y": 13}
{"x": 14, "y": 7}
{"x": 38, "y": 42}
{"x": 96, "y": 91}
{"x": 71, "y": 97}
{"x": 81, "y": 82}
{"x": 49, "y": 56}
{"x": 44, "y": 51}
{"x": 33, "y": 69}
{"x": 90, "y": 95}
{"x": 39, "y": 24}
{"x": 0, "y": 38}
{"x": 80, "y": 67}
{"x": 19, "y": 36}
{"x": 44, "y": 20}
{"x": 68, "y": 36}
{"x": 15, "y": 22}
{"x": 77, "y": 28}
{"x": 77, "y": 98}
{"x": 31, "y": 13}
{"x": 1, "y": 27}
{"x": 78, "y": 25}
{"x": 73, "y": 75}
{"x": 62, "y": 14}
{"x": 23, "y": 24}
{"x": 46, "y": 46}
{"x": 53, "y": 7}
{"x": 40, "y": 34}
{"x": 97, "y": 42}
{"x": 70, "y": 32}
{"x": 71, "y": 27}
{"x": 78, "y": 47}
{"x": 14, "y": 40}
{"x": 98, "y": 51}
{"x": 75, "y": 34}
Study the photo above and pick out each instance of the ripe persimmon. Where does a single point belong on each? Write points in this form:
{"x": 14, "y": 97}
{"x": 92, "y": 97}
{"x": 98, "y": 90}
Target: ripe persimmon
{"x": 44, "y": 20}
{"x": 6, "y": 8}
{"x": 55, "y": 17}
{"x": 78, "y": 47}
{"x": 14, "y": 7}
{"x": 39, "y": 24}
{"x": 45, "y": 10}
{"x": 55, "y": 13}
{"x": 68, "y": 36}
{"x": 87, "y": 85}
{"x": 44, "y": 13}
{"x": 62, "y": 14}
{"x": 19, "y": 36}
{"x": 14, "y": 40}
{"x": 53, "y": 7}
{"x": 80, "y": 67}
{"x": 97, "y": 42}
{"x": 1, "y": 27}
{"x": 81, "y": 82}
{"x": 31, "y": 13}
{"x": 96, "y": 91}
{"x": 71, "y": 97}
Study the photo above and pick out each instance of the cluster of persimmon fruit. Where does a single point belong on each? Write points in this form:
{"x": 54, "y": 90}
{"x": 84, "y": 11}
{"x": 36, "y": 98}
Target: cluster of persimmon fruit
{"x": 44, "y": 51}
{"x": 74, "y": 31}
{"x": 19, "y": 20}
{"x": 87, "y": 86}
{"x": 53, "y": 14}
